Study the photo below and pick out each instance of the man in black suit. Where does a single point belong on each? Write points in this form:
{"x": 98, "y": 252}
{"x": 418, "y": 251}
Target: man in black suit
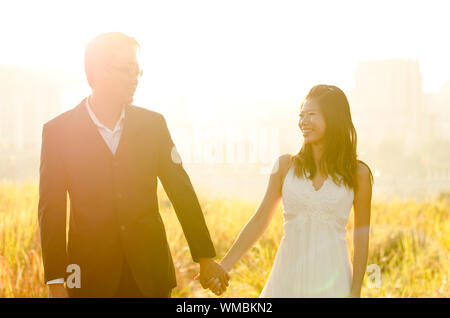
{"x": 107, "y": 155}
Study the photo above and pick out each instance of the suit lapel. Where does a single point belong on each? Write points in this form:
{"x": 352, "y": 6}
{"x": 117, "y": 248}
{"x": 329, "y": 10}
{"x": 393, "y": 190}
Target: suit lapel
{"x": 128, "y": 133}
{"x": 89, "y": 133}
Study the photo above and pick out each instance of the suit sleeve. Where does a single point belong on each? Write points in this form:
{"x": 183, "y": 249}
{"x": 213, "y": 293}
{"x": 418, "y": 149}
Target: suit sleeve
{"x": 52, "y": 206}
{"x": 179, "y": 189}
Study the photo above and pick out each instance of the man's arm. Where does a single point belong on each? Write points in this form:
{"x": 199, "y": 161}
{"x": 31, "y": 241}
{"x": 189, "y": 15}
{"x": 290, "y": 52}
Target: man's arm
{"x": 179, "y": 189}
{"x": 52, "y": 206}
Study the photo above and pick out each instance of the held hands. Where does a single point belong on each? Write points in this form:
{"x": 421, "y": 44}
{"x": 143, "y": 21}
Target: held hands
{"x": 212, "y": 276}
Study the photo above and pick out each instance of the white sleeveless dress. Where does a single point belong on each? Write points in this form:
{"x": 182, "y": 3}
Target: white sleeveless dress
{"x": 312, "y": 259}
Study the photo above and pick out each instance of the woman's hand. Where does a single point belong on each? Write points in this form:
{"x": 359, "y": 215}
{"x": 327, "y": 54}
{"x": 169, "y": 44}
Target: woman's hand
{"x": 213, "y": 276}
{"x": 213, "y": 284}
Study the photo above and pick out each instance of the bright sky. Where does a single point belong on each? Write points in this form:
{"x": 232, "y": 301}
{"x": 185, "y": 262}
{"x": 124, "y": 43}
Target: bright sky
{"x": 235, "y": 49}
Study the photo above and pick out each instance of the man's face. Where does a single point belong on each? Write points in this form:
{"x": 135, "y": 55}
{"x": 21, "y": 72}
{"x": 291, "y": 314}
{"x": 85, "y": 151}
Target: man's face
{"x": 119, "y": 76}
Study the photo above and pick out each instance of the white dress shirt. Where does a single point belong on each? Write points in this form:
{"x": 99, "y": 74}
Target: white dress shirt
{"x": 111, "y": 138}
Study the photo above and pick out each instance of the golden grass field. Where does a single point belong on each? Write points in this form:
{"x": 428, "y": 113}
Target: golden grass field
{"x": 410, "y": 242}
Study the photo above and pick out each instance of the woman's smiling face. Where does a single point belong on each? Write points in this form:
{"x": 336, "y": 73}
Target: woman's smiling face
{"x": 312, "y": 123}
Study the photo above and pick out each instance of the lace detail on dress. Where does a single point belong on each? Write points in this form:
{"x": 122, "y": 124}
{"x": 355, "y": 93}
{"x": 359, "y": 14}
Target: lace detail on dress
{"x": 329, "y": 205}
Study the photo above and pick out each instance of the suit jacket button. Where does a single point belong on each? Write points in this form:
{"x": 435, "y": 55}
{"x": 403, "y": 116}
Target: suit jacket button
{"x": 119, "y": 195}
{"x": 122, "y": 227}
{"x": 116, "y": 164}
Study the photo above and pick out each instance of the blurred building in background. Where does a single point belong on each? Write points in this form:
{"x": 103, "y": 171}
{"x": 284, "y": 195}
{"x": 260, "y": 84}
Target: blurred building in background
{"x": 29, "y": 98}
{"x": 388, "y": 102}
{"x": 441, "y": 110}
{"x": 403, "y": 132}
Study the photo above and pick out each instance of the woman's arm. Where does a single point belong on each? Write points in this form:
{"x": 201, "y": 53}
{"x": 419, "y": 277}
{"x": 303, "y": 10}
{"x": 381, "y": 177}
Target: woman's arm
{"x": 259, "y": 222}
{"x": 361, "y": 207}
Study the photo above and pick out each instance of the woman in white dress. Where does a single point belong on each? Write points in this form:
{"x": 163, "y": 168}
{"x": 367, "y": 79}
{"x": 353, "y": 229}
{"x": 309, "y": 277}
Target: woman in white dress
{"x": 318, "y": 187}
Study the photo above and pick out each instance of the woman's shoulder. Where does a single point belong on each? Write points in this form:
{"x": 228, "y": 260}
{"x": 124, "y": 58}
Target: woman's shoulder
{"x": 285, "y": 160}
{"x": 283, "y": 164}
{"x": 363, "y": 171}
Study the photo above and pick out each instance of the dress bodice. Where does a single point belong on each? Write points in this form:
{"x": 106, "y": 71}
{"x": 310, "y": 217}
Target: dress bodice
{"x": 331, "y": 204}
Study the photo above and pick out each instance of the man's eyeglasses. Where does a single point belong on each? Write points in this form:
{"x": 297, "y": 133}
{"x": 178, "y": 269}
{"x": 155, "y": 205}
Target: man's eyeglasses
{"x": 129, "y": 71}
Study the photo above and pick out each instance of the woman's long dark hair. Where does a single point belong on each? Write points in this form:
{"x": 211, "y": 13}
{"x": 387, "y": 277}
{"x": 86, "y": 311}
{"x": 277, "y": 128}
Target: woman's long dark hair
{"x": 339, "y": 156}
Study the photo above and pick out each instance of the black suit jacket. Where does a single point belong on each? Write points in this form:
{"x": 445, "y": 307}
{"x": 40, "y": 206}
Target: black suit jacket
{"x": 113, "y": 203}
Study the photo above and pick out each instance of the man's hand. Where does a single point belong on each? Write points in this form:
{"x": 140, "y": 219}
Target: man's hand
{"x": 57, "y": 291}
{"x": 355, "y": 294}
{"x": 213, "y": 276}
